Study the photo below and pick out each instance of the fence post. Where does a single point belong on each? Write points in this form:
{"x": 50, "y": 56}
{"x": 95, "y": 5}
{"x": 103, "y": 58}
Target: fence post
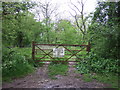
{"x": 88, "y": 47}
{"x": 33, "y": 50}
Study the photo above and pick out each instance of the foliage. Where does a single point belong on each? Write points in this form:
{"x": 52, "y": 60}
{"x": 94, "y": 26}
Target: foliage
{"x": 15, "y": 7}
{"x": 24, "y": 51}
{"x": 14, "y": 65}
{"x": 65, "y": 32}
{"x": 97, "y": 64}
{"x": 104, "y": 30}
{"x": 104, "y": 37}
{"x": 19, "y": 27}
{"x": 27, "y": 53}
{"x": 106, "y": 41}
{"x": 18, "y": 33}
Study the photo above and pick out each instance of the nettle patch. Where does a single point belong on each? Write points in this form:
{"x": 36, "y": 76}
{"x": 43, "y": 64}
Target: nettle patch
{"x": 93, "y": 63}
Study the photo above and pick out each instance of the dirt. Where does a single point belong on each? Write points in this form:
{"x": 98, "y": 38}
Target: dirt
{"x": 40, "y": 79}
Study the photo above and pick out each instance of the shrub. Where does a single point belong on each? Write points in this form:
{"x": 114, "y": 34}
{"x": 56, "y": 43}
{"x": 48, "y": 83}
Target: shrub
{"x": 94, "y": 63}
{"x": 14, "y": 64}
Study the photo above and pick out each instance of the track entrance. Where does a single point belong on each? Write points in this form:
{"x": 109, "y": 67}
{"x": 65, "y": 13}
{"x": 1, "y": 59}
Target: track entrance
{"x": 57, "y": 52}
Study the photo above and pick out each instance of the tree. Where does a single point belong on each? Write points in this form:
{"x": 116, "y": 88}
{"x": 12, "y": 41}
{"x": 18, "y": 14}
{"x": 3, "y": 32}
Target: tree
{"x": 65, "y": 32}
{"x": 14, "y": 8}
{"x": 105, "y": 29}
{"x": 79, "y": 17}
{"x": 47, "y": 11}
{"x": 19, "y": 27}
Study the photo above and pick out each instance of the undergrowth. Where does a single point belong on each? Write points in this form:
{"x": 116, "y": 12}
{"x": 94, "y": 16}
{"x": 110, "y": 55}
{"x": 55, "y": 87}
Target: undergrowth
{"x": 96, "y": 64}
{"x": 110, "y": 79}
{"x": 106, "y": 70}
{"x": 15, "y": 64}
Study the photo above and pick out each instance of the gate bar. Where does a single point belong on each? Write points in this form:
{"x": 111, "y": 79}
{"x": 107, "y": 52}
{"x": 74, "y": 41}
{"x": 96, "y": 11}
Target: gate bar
{"x": 60, "y": 45}
{"x": 54, "y": 61}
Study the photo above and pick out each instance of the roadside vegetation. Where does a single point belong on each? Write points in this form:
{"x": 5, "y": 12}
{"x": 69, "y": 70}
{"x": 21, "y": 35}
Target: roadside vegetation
{"x": 103, "y": 78}
{"x": 103, "y": 60}
{"x": 101, "y": 29}
{"x": 15, "y": 64}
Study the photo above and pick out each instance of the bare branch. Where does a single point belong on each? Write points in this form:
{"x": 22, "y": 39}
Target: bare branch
{"x": 82, "y": 26}
{"x": 53, "y": 10}
{"x": 79, "y": 25}
{"x": 75, "y": 6}
{"x": 73, "y": 10}
{"x": 71, "y": 14}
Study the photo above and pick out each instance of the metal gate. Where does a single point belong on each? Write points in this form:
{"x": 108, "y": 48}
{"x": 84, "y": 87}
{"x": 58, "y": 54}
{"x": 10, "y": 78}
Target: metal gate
{"x": 45, "y": 52}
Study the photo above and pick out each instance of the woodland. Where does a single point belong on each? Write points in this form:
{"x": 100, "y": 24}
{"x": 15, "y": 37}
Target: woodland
{"x": 101, "y": 28}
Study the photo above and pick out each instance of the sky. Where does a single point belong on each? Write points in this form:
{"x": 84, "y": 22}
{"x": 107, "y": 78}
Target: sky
{"x": 64, "y": 7}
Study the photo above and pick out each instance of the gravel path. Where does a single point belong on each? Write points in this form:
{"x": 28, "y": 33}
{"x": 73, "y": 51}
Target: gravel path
{"x": 40, "y": 79}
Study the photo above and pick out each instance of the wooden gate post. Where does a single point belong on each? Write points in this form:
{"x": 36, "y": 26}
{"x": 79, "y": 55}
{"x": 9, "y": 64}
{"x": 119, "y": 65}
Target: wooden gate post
{"x": 33, "y": 50}
{"x": 88, "y": 47}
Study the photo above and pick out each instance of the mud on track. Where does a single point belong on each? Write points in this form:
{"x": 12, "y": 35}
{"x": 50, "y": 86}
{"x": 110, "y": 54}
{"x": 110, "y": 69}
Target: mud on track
{"x": 40, "y": 79}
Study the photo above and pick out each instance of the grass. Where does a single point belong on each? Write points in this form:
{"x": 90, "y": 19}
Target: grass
{"x": 57, "y": 69}
{"x": 87, "y": 78}
{"x": 18, "y": 74}
{"x": 107, "y": 78}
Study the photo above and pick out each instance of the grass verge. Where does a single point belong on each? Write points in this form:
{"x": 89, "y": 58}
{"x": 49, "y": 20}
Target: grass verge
{"x": 57, "y": 69}
{"x": 18, "y": 74}
{"x": 106, "y": 78}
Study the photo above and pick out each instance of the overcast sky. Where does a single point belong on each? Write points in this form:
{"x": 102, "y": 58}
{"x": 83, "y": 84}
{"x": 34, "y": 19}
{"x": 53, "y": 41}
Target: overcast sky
{"x": 64, "y": 9}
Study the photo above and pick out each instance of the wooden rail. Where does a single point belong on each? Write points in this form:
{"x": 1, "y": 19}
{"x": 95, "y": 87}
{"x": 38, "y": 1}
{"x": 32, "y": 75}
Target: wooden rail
{"x": 54, "y": 61}
{"x": 35, "y": 45}
{"x": 60, "y": 45}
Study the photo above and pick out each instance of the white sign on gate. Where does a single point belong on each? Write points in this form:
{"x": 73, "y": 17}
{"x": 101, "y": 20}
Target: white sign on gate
{"x": 58, "y": 52}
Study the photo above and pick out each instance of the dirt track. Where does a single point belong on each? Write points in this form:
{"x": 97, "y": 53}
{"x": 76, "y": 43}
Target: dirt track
{"x": 40, "y": 79}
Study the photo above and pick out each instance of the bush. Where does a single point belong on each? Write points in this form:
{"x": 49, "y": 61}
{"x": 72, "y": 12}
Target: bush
{"x": 94, "y": 63}
{"x": 14, "y": 64}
